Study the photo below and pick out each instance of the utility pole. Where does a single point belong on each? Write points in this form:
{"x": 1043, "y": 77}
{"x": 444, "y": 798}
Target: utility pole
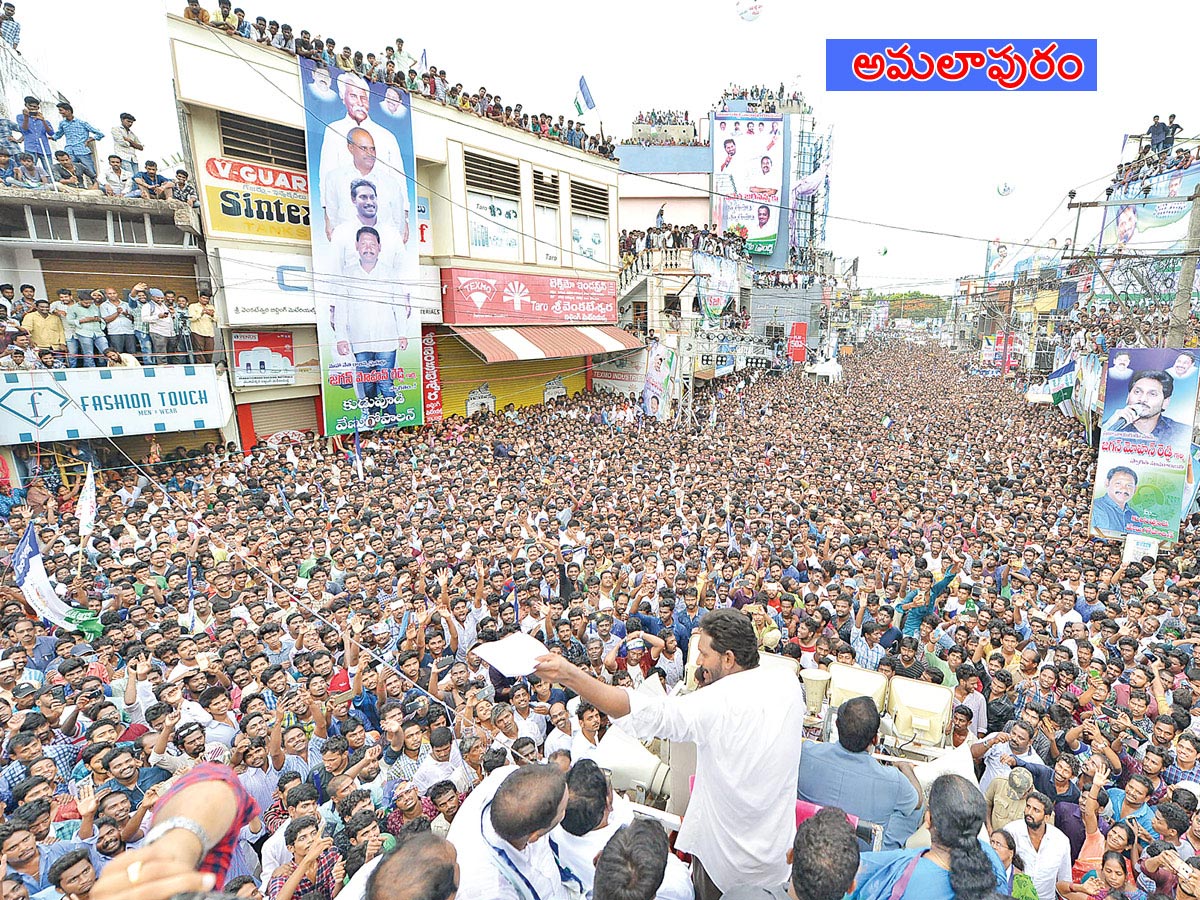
{"x": 1181, "y": 310}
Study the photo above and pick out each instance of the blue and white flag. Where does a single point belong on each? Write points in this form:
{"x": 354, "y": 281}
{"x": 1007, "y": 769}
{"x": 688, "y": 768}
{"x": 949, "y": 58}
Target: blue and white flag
{"x": 31, "y": 577}
{"x": 424, "y": 65}
{"x": 1061, "y": 384}
{"x": 583, "y": 98}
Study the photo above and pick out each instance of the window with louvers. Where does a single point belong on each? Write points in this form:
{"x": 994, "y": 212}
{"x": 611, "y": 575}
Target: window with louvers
{"x": 589, "y": 198}
{"x": 263, "y": 142}
{"x": 545, "y": 188}
{"x": 495, "y": 176}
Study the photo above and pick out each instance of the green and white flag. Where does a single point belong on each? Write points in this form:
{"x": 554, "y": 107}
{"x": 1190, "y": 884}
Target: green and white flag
{"x": 85, "y": 508}
{"x": 31, "y": 578}
{"x": 1062, "y": 388}
{"x": 583, "y": 98}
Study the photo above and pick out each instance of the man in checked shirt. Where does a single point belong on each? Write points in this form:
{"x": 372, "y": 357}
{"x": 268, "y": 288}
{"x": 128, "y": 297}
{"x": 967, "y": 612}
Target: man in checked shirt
{"x": 316, "y": 871}
{"x": 78, "y": 138}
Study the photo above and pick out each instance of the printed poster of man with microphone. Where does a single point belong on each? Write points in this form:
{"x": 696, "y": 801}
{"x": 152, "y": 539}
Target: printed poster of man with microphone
{"x": 1143, "y": 469}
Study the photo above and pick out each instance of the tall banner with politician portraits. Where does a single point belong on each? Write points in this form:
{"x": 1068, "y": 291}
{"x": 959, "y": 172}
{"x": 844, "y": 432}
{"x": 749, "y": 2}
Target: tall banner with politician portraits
{"x": 656, "y": 390}
{"x": 747, "y": 151}
{"x": 366, "y": 260}
{"x": 1145, "y": 443}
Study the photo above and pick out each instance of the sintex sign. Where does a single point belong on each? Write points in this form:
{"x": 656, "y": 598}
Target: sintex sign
{"x": 244, "y": 198}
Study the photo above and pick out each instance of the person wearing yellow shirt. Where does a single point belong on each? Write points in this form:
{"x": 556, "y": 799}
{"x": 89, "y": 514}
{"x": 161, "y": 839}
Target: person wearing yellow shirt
{"x": 766, "y": 631}
{"x": 45, "y": 328}
{"x": 1007, "y": 648}
{"x": 202, "y": 319}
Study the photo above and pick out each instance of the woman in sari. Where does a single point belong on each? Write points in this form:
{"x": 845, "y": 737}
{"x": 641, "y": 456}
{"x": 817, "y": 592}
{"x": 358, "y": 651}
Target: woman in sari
{"x": 956, "y": 866}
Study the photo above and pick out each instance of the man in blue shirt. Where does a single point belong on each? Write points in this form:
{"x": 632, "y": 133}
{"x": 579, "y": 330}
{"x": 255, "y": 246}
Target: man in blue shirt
{"x": 30, "y": 861}
{"x": 149, "y": 185}
{"x": 78, "y": 138}
{"x": 922, "y": 600}
{"x": 128, "y": 777}
{"x": 845, "y": 775}
{"x": 39, "y": 650}
{"x": 36, "y": 132}
{"x": 1111, "y": 512}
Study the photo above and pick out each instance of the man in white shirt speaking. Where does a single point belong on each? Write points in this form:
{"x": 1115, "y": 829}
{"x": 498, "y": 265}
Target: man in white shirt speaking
{"x": 746, "y": 723}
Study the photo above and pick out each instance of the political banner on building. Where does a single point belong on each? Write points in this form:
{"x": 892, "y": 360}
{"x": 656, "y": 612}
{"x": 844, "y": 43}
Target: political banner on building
{"x": 656, "y": 389}
{"x": 623, "y": 375}
{"x": 995, "y": 348}
{"x": 366, "y": 261}
{"x": 1156, "y": 231}
{"x": 717, "y": 285}
{"x": 431, "y": 378}
{"x": 1007, "y": 262}
{"x": 1154, "y": 225}
{"x": 263, "y": 357}
{"x": 249, "y": 200}
{"x": 797, "y": 346}
{"x": 1145, "y": 443}
{"x": 748, "y": 177}
{"x": 29, "y": 571}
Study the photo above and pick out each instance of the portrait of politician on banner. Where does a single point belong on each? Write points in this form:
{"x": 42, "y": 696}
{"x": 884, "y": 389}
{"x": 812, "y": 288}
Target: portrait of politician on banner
{"x": 656, "y": 390}
{"x": 747, "y": 156}
{"x": 1145, "y": 443}
{"x": 366, "y": 260}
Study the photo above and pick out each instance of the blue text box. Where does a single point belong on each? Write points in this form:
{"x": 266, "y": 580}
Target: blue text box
{"x": 1000, "y": 64}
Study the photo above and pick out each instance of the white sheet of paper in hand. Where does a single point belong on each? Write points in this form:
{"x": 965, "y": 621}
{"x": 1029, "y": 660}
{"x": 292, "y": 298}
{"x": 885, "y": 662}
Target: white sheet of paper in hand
{"x": 514, "y": 656}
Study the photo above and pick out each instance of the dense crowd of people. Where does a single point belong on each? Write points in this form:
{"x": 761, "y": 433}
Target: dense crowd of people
{"x": 1099, "y": 327}
{"x": 632, "y": 243}
{"x": 661, "y": 245}
{"x": 662, "y": 117}
{"x": 655, "y": 129}
{"x": 105, "y": 326}
{"x": 297, "y": 643}
{"x": 662, "y": 139}
{"x": 395, "y": 66}
{"x": 768, "y": 99}
{"x": 786, "y": 279}
{"x": 1155, "y": 156}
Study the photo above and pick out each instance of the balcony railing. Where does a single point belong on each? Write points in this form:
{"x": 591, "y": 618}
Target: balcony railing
{"x": 90, "y": 217}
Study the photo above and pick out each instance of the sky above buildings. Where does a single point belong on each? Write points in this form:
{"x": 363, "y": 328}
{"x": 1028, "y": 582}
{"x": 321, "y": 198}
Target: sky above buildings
{"x": 904, "y": 165}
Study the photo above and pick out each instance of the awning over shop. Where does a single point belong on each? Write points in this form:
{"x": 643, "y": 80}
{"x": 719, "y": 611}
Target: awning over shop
{"x": 545, "y": 341}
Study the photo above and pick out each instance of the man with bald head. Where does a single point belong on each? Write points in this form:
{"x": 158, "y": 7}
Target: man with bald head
{"x": 424, "y": 867}
{"x": 361, "y": 163}
{"x": 502, "y": 835}
{"x": 355, "y": 95}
